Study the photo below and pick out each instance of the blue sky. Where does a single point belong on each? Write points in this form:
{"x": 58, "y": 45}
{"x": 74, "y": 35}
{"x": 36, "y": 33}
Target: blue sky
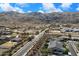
{"x": 39, "y": 7}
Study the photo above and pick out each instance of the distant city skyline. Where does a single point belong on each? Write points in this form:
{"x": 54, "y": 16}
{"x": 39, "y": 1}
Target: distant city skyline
{"x": 39, "y": 7}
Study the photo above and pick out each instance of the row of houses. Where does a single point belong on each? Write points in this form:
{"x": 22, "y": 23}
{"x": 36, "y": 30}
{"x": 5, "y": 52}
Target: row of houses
{"x": 7, "y": 36}
{"x": 9, "y": 42}
{"x": 16, "y": 39}
{"x": 5, "y": 32}
{"x": 70, "y": 30}
{"x": 56, "y": 47}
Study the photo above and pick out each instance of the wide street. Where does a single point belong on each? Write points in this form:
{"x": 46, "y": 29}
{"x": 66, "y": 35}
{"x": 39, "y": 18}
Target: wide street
{"x": 71, "y": 48}
{"x": 25, "y": 49}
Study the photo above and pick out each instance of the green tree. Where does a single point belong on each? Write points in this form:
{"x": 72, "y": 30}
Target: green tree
{"x": 69, "y": 35}
{"x": 30, "y": 38}
{"x": 37, "y": 32}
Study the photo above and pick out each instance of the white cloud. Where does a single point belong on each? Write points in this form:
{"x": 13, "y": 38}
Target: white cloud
{"x": 66, "y": 5}
{"x": 18, "y": 10}
{"x": 41, "y": 11}
{"x": 49, "y": 7}
{"x": 59, "y": 10}
{"x": 22, "y": 4}
{"x": 77, "y": 9}
{"x": 29, "y": 11}
{"x": 8, "y": 7}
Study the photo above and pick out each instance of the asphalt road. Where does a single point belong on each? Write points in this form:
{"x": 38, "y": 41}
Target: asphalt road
{"x": 25, "y": 49}
{"x": 72, "y": 49}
